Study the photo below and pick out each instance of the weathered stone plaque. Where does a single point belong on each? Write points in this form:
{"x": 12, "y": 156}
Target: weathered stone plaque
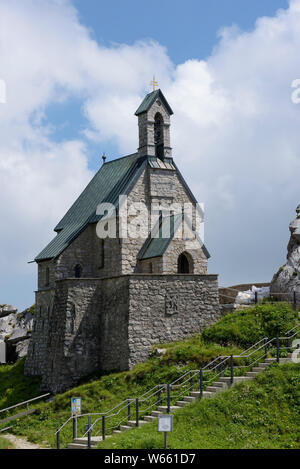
{"x": 171, "y": 304}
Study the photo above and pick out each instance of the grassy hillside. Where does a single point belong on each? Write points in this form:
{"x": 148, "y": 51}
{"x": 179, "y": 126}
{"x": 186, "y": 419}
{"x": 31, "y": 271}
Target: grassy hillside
{"x": 263, "y": 413}
{"x": 100, "y": 393}
{"x": 247, "y": 326}
{"x": 14, "y": 386}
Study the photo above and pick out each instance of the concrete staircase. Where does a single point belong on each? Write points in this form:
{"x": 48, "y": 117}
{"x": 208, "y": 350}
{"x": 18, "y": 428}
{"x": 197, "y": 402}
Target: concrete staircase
{"x": 210, "y": 391}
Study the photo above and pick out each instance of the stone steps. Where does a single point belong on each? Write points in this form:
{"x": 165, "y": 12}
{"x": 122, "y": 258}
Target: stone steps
{"x": 164, "y": 408}
{"x": 182, "y": 403}
{"x": 236, "y": 379}
{"x": 210, "y": 391}
{"x": 214, "y": 389}
{"x": 205, "y": 394}
{"x": 150, "y": 418}
{"x": 132, "y": 423}
{"x": 82, "y": 443}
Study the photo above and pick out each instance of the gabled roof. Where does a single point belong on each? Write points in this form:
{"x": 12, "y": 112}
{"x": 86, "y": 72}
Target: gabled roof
{"x": 150, "y": 99}
{"x": 163, "y": 233}
{"x": 113, "y": 179}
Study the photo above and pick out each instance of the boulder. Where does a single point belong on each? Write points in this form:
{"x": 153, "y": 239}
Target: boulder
{"x": 15, "y": 331}
{"x": 287, "y": 280}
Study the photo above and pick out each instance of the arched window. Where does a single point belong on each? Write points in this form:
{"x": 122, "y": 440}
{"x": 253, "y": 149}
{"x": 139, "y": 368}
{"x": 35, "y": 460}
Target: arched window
{"x": 185, "y": 264}
{"x": 159, "y": 136}
{"x": 78, "y": 271}
{"x": 47, "y": 279}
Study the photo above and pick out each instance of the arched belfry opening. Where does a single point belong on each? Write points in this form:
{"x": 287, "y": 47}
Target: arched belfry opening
{"x": 185, "y": 264}
{"x": 159, "y": 135}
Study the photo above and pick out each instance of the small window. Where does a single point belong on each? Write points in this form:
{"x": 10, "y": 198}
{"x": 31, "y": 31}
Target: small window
{"x": 47, "y": 280}
{"x": 78, "y": 271}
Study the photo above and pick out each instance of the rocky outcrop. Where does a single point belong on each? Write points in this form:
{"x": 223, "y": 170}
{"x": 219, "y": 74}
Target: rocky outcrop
{"x": 15, "y": 331}
{"x": 287, "y": 280}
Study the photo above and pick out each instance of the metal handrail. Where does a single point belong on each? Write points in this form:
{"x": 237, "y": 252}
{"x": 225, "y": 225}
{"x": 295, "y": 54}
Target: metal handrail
{"x": 250, "y": 348}
{"x": 25, "y": 402}
{"x": 297, "y": 325}
{"x": 162, "y": 386}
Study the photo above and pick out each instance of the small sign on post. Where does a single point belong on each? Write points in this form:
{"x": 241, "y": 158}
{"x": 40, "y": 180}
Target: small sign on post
{"x": 165, "y": 424}
{"x": 75, "y": 406}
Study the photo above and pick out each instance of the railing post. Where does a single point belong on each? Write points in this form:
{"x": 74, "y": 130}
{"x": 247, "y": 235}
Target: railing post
{"x": 74, "y": 427}
{"x": 136, "y": 412}
{"x": 191, "y": 381}
{"x": 201, "y": 383}
{"x": 129, "y": 409}
{"x": 295, "y": 300}
{"x": 89, "y": 433}
{"x": 256, "y": 297}
{"x": 266, "y": 348}
{"x": 159, "y": 396}
{"x": 58, "y": 440}
{"x": 168, "y": 398}
{"x": 231, "y": 369}
{"x": 103, "y": 427}
{"x": 288, "y": 341}
{"x": 277, "y": 349}
{"x": 27, "y": 408}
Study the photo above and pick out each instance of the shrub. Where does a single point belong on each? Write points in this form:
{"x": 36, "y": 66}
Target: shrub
{"x": 245, "y": 327}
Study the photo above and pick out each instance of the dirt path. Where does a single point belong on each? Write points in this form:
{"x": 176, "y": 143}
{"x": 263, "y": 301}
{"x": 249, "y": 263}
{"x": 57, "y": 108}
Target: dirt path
{"x": 21, "y": 443}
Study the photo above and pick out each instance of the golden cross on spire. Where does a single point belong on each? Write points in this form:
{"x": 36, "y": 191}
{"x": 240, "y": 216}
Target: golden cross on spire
{"x": 153, "y": 83}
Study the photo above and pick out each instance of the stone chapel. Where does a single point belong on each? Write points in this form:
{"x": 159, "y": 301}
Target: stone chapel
{"x": 103, "y": 303}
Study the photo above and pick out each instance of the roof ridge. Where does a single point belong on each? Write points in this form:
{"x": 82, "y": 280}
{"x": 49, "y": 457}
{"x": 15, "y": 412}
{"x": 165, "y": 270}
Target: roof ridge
{"x": 120, "y": 158}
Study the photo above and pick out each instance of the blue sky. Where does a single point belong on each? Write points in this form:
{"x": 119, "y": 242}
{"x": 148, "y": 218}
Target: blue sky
{"x": 187, "y": 32}
{"x": 188, "y": 29}
{"x": 77, "y": 70}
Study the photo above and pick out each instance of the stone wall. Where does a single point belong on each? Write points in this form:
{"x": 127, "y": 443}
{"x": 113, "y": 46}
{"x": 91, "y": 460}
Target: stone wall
{"x": 167, "y": 308}
{"x": 152, "y": 187}
{"x": 74, "y": 334}
{"x": 114, "y": 353}
{"x": 43, "y": 282}
{"x": 39, "y": 347}
{"x": 86, "y": 250}
{"x": 112, "y": 324}
{"x": 198, "y": 258}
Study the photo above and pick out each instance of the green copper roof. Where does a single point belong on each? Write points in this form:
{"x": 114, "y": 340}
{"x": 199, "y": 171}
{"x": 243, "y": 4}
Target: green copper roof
{"x": 165, "y": 231}
{"x": 113, "y": 178}
{"x": 150, "y": 99}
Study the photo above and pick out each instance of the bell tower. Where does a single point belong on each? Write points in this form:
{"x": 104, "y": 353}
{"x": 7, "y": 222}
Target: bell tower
{"x": 154, "y": 126}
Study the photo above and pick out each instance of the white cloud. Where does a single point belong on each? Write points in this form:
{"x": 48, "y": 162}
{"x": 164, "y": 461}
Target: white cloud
{"x": 235, "y": 129}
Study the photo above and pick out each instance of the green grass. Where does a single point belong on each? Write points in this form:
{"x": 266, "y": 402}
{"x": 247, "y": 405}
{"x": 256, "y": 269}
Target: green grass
{"x": 247, "y": 326}
{"x": 5, "y": 444}
{"x": 263, "y": 413}
{"x": 100, "y": 393}
{"x": 15, "y": 387}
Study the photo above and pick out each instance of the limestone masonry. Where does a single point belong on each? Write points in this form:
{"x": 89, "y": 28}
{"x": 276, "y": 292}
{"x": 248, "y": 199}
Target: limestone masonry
{"x": 287, "y": 280}
{"x": 102, "y": 304}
